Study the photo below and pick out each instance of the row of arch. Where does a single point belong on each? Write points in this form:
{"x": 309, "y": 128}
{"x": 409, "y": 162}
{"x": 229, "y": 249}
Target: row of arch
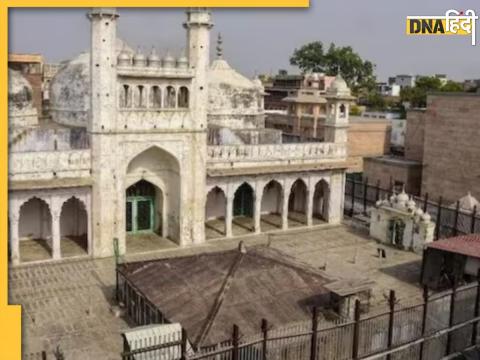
{"x": 37, "y": 234}
{"x": 153, "y": 97}
{"x": 273, "y": 207}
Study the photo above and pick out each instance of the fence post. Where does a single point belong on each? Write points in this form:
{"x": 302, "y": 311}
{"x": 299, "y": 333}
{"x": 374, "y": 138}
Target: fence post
{"x": 183, "y": 347}
{"x": 474, "y": 217}
{"x": 424, "y": 319}
{"x": 235, "y": 337}
{"x": 265, "y": 338}
{"x": 353, "y": 198}
{"x": 365, "y": 190}
{"x": 455, "y": 223}
{"x": 356, "y": 330}
{"x": 377, "y": 191}
{"x": 391, "y": 314}
{"x": 439, "y": 212}
{"x": 44, "y": 355}
{"x": 451, "y": 318}
{"x": 425, "y": 203}
{"x": 313, "y": 347}
{"x": 476, "y": 311}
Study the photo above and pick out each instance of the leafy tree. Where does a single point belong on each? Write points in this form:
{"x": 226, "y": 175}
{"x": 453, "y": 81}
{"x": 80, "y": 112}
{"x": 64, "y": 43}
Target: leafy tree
{"x": 417, "y": 95}
{"x": 358, "y": 73}
{"x": 452, "y": 86}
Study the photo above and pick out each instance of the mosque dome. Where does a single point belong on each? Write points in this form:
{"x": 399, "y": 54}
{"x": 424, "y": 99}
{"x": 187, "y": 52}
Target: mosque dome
{"x": 232, "y": 94}
{"x": 468, "y": 202}
{"x": 70, "y": 89}
{"x": 426, "y": 217}
{"x": 20, "y": 93}
{"x": 403, "y": 197}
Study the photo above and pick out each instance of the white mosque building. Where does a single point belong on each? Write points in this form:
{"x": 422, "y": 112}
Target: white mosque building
{"x": 142, "y": 151}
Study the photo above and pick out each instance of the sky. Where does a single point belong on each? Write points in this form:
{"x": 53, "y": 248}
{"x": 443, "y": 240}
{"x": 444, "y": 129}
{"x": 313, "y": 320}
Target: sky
{"x": 259, "y": 41}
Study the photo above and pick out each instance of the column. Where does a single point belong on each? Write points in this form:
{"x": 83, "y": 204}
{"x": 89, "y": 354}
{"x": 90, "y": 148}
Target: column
{"x": 56, "y": 252}
{"x": 89, "y": 224}
{"x": 56, "y": 209}
{"x": 309, "y": 207}
{"x": 14, "y": 238}
{"x": 285, "y": 196}
{"x": 257, "y": 213}
{"x": 229, "y": 216}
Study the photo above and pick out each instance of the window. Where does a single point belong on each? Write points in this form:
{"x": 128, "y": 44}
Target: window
{"x": 183, "y": 97}
{"x": 156, "y": 97}
{"x": 125, "y": 97}
{"x": 343, "y": 111}
{"x": 170, "y": 95}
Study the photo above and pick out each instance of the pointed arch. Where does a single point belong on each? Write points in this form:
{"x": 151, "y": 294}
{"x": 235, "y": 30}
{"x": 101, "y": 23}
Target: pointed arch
{"x": 297, "y": 203}
{"x": 321, "y": 198}
{"x": 243, "y": 208}
{"x": 215, "y": 213}
{"x": 73, "y": 228}
{"x": 271, "y": 206}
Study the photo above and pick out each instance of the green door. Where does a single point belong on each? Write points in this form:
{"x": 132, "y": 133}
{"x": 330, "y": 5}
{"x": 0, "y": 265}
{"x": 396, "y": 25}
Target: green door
{"x": 243, "y": 201}
{"x": 140, "y": 214}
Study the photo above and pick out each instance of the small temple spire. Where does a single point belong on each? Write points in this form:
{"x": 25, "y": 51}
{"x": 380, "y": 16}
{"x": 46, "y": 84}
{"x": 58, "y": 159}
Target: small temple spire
{"x": 219, "y": 46}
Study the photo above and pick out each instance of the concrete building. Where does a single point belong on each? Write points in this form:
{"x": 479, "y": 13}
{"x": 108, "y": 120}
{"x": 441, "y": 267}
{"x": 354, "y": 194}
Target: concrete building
{"x": 392, "y": 90}
{"x": 402, "y": 80}
{"x": 150, "y": 150}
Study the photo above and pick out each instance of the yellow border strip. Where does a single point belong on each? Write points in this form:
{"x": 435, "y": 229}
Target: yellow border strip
{"x": 10, "y": 315}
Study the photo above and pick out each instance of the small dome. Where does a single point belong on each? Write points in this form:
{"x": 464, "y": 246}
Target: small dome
{"x": 411, "y": 204}
{"x": 419, "y": 212}
{"x": 153, "y": 59}
{"x": 168, "y": 61}
{"x": 426, "y": 218}
{"x": 468, "y": 202}
{"x": 124, "y": 58}
{"x": 257, "y": 82}
{"x": 339, "y": 87}
{"x": 139, "y": 59}
{"x": 402, "y": 197}
{"x": 393, "y": 198}
{"x": 182, "y": 62}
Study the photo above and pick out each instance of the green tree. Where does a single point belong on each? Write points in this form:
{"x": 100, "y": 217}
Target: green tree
{"x": 358, "y": 73}
{"x": 417, "y": 95}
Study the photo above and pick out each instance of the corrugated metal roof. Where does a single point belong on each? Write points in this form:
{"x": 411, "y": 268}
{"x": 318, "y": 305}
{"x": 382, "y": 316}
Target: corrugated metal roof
{"x": 468, "y": 245}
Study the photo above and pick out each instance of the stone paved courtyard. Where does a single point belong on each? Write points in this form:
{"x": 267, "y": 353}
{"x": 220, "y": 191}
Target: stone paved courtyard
{"x": 68, "y": 304}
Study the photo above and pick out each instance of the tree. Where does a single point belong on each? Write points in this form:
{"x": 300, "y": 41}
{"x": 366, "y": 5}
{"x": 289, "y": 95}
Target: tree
{"x": 417, "y": 96}
{"x": 358, "y": 73}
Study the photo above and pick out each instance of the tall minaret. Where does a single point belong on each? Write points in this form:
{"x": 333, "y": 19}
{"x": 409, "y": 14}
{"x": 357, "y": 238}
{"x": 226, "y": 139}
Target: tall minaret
{"x": 101, "y": 127}
{"x": 103, "y": 62}
{"x": 198, "y": 27}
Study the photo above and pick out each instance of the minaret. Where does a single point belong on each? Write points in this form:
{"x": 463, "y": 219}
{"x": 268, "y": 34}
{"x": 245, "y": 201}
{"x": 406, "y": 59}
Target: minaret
{"x": 198, "y": 27}
{"x": 338, "y": 103}
{"x": 101, "y": 127}
{"x": 103, "y": 63}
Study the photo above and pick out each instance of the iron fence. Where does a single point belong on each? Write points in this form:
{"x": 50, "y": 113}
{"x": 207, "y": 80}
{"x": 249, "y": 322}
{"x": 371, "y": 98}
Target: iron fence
{"x": 442, "y": 324}
{"x": 360, "y": 197}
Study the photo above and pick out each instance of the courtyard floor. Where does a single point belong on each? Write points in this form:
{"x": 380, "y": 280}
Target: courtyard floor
{"x": 68, "y": 304}
{"x": 40, "y": 249}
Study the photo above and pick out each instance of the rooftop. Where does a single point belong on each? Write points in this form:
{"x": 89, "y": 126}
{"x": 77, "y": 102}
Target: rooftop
{"x": 468, "y": 245}
{"x": 207, "y": 293}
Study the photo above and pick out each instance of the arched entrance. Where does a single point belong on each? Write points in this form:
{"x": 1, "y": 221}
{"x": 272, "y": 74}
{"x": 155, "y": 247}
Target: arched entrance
{"x": 243, "y": 210}
{"x": 73, "y": 228}
{"x": 35, "y": 231}
{"x": 297, "y": 204}
{"x": 152, "y": 201}
{"x": 271, "y": 208}
{"x": 320, "y": 201}
{"x": 215, "y": 207}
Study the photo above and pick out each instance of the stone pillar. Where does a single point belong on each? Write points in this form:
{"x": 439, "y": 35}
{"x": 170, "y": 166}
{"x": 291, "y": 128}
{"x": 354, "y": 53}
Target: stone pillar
{"x": 229, "y": 216}
{"x": 56, "y": 251}
{"x": 309, "y": 207}
{"x": 14, "y": 238}
{"x": 257, "y": 213}
{"x": 285, "y": 196}
{"x": 89, "y": 224}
